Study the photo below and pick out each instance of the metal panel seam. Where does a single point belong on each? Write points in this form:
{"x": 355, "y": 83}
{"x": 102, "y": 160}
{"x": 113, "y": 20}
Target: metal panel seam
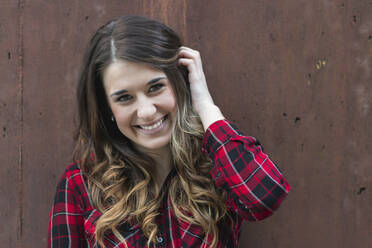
{"x": 20, "y": 146}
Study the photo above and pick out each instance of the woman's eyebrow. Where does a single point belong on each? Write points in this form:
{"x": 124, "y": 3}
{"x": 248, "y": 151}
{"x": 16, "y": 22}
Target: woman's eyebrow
{"x": 119, "y": 92}
{"x": 154, "y": 80}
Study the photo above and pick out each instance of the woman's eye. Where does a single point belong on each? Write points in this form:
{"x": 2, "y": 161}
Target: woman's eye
{"x": 156, "y": 87}
{"x": 124, "y": 98}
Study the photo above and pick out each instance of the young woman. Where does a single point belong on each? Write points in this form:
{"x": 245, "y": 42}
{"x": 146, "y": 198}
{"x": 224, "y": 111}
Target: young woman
{"x": 156, "y": 163}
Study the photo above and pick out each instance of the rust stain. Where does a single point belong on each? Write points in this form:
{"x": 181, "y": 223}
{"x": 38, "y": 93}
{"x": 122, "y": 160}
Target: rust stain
{"x": 152, "y": 8}
{"x": 164, "y": 11}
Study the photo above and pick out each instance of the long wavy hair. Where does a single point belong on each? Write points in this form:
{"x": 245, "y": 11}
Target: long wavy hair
{"x": 120, "y": 178}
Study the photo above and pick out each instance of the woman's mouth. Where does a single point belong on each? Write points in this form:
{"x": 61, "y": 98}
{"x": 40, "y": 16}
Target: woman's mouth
{"x": 154, "y": 127}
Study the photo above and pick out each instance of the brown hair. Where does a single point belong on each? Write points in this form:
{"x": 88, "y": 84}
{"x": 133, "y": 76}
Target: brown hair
{"x": 120, "y": 178}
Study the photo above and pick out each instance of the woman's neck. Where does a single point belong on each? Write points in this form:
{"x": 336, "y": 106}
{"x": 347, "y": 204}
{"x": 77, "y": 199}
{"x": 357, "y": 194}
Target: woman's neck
{"x": 163, "y": 161}
{"x": 163, "y": 166}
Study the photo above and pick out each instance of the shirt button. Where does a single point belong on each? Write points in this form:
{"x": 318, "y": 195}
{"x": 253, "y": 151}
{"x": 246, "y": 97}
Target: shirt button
{"x": 159, "y": 239}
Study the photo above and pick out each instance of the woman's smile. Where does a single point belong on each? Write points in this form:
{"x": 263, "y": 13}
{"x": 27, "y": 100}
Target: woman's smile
{"x": 153, "y": 128}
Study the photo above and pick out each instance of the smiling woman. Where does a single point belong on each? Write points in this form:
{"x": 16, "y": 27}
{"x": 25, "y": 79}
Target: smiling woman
{"x": 156, "y": 164}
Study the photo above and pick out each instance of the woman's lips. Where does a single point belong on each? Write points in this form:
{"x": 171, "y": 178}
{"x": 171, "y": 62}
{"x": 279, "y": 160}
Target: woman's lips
{"x": 153, "y": 125}
{"x": 157, "y": 126}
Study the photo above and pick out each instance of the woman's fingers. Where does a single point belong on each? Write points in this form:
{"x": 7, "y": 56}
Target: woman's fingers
{"x": 191, "y": 59}
{"x": 186, "y": 62}
{"x": 189, "y": 53}
{"x": 187, "y": 49}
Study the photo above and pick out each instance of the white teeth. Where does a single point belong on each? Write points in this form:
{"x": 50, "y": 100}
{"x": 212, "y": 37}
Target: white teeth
{"x": 153, "y": 126}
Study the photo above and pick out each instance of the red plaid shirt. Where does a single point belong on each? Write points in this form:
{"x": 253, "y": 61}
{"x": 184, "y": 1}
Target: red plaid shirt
{"x": 255, "y": 188}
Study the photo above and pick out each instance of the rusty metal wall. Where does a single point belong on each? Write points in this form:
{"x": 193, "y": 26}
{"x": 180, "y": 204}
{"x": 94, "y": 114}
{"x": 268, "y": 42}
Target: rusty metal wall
{"x": 295, "y": 74}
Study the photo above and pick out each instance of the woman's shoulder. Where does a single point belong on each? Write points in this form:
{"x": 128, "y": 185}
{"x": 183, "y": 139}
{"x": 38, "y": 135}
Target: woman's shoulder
{"x": 72, "y": 185}
{"x": 71, "y": 171}
{"x": 73, "y": 180}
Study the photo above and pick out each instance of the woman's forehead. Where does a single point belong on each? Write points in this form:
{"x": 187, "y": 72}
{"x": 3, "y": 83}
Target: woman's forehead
{"x": 126, "y": 74}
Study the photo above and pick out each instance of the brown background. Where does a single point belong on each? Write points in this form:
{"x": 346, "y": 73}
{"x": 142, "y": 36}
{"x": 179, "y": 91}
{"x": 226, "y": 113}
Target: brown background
{"x": 295, "y": 74}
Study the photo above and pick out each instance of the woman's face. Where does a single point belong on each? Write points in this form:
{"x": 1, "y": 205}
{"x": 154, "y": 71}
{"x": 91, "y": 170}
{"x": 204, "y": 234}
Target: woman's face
{"x": 142, "y": 102}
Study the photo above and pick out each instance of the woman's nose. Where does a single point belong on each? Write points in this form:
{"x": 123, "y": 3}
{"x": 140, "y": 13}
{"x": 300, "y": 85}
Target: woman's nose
{"x": 146, "y": 110}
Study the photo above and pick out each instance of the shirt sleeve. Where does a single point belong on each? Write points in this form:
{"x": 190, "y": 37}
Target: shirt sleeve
{"x": 66, "y": 224}
{"x": 254, "y": 184}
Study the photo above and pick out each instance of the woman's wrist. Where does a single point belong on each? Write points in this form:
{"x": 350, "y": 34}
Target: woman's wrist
{"x": 209, "y": 114}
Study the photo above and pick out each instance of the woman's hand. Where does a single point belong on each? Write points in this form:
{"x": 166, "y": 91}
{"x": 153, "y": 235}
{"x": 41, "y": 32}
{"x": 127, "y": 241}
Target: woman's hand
{"x": 200, "y": 95}
{"x": 201, "y": 99}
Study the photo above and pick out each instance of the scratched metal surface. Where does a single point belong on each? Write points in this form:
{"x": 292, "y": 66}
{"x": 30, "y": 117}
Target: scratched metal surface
{"x": 295, "y": 74}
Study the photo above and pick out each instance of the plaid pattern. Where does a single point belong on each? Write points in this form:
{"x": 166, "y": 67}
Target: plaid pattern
{"x": 255, "y": 188}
